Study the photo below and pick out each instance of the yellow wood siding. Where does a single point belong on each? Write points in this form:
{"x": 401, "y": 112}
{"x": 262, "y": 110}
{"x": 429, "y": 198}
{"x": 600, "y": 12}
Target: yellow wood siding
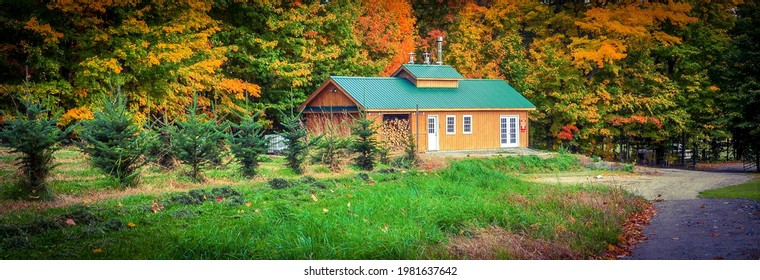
{"x": 331, "y": 96}
{"x": 437, "y": 83}
{"x": 485, "y": 130}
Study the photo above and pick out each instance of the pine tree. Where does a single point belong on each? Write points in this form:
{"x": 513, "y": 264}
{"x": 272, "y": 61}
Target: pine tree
{"x": 35, "y": 136}
{"x": 196, "y": 141}
{"x": 247, "y": 142}
{"x": 365, "y": 144}
{"x": 116, "y": 144}
{"x": 295, "y": 137}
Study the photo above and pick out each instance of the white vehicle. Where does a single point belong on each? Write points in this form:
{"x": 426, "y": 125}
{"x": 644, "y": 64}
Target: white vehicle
{"x": 276, "y": 143}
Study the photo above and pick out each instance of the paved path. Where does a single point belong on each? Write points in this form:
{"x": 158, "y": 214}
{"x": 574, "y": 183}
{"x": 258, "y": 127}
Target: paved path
{"x": 702, "y": 229}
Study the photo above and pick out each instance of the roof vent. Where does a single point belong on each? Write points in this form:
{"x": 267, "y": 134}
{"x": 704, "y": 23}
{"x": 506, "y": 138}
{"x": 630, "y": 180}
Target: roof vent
{"x": 427, "y": 58}
{"x": 440, "y": 51}
{"x": 411, "y": 57}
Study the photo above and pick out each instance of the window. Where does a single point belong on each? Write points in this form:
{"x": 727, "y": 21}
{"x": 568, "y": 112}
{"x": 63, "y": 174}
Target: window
{"x": 467, "y": 124}
{"x": 450, "y": 124}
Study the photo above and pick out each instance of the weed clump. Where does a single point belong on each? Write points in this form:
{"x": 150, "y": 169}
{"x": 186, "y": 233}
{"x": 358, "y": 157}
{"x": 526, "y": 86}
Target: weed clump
{"x": 363, "y": 177}
{"x": 17, "y": 242}
{"x": 189, "y": 198}
{"x": 199, "y": 196}
{"x": 80, "y": 217}
{"x": 312, "y": 182}
{"x": 114, "y": 225}
{"x": 279, "y": 183}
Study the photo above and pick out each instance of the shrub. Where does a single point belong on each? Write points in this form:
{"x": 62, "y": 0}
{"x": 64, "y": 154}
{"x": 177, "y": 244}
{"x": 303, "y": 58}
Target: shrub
{"x": 115, "y": 143}
{"x": 196, "y": 141}
{"x": 365, "y": 144}
{"x": 34, "y": 135}
{"x": 247, "y": 143}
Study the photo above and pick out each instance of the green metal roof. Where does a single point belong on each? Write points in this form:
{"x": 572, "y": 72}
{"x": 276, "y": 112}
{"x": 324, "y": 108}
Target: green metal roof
{"x": 425, "y": 71}
{"x": 399, "y": 93}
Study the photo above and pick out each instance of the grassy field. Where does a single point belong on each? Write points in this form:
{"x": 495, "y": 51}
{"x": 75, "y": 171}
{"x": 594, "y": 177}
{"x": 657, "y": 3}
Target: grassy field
{"x": 473, "y": 208}
{"x": 749, "y": 190}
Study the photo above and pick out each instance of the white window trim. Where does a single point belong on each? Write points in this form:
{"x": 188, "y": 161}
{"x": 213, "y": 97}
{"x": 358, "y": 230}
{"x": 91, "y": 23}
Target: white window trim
{"x": 464, "y": 131}
{"x": 453, "y": 125}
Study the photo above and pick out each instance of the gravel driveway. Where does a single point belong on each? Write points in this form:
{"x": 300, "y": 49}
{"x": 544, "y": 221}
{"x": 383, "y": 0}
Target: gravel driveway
{"x": 685, "y": 226}
{"x": 658, "y": 184}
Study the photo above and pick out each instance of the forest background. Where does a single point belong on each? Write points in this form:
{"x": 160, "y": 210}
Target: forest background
{"x": 601, "y": 73}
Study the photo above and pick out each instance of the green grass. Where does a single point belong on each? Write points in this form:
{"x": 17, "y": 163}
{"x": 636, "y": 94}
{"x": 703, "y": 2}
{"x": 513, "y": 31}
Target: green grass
{"x": 411, "y": 215}
{"x": 749, "y": 190}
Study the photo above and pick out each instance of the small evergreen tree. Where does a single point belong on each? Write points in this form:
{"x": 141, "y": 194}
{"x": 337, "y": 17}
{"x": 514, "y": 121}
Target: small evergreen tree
{"x": 410, "y": 149}
{"x": 247, "y": 142}
{"x": 196, "y": 141}
{"x": 116, "y": 144}
{"x": 330, "y": 151}
{"x": 295, "y": 137}
{"x": 365, "y": 144}
{"x": 34, "y": 135}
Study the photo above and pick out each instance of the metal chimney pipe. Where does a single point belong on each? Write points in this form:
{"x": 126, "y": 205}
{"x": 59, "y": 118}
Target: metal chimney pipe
{"x": 440, "y": 51}
{"x": 427, "y": 58}
{"x": 411, "y": 58}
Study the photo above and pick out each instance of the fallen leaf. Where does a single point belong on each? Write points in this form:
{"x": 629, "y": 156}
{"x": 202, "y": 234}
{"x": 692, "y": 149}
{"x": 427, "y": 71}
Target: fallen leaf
{"x": 371, "y": 182}
{"x": 120, "y": 205}
{"x": 155, "y": 207}
{"x": 571, "y": 219}
{"x": 325, "y": 210}
{"x": 349, "y": 204}
{"x": 256, "y": 211}
{"x": 715, "y": 234}
{"x": 97, "y": 251}
{"x": 248, "y": 204}
{"x": 314, "y": 197}
{"x": 676, "y": 238}
{"x": 702, "y": 206}
{"x": 70, "y": 222}
{"x": 219, "y": 198}
{"x": 349, "y": 196}
{"x": 131, "y": 224}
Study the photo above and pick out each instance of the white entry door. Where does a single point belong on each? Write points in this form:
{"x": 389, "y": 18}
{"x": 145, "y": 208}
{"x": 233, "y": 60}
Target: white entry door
{"x": 508, "y": 131}
{"x": 432, "y": 126}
